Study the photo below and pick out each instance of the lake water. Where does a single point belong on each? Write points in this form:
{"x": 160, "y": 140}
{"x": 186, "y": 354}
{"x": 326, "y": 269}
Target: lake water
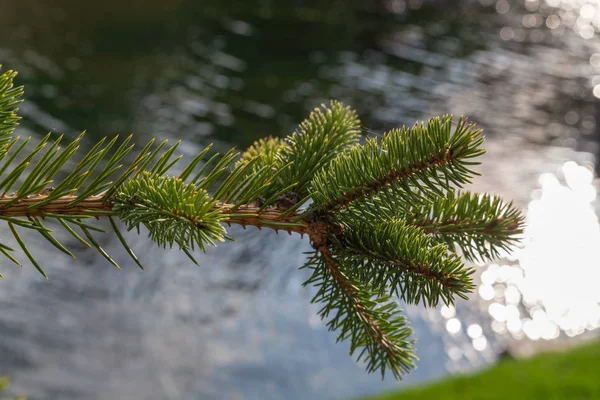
{"x": 230, "y": 72}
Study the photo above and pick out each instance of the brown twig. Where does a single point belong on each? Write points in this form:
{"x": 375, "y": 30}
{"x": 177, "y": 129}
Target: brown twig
{"x": 248, "y": 215}
{"x": 21, "y": 208}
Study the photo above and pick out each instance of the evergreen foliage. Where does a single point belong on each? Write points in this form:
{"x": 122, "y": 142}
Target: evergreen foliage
{"x": 317, "y": 141}
{"x": 412, "y": 165}
{"x": 394, "y": 256}
{"x": 10, "y": 97}
{"x": 385, "y": 218}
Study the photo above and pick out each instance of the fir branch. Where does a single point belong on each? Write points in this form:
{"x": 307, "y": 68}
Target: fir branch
{"x": 480, "y": 225}
{"x": 266, "y": 151}
{"x": 266, "y": 167}
{"x": 173, "y": 212}
{"x": 246, "y": 215}
{"x": 10, "y": 98}
{"x": 379, "y": 221}
{"x": 371, "y": 321}
{"x": 393, "y": 256}
{"x": 318, "y": 140}
{"x": 413, "y": 164}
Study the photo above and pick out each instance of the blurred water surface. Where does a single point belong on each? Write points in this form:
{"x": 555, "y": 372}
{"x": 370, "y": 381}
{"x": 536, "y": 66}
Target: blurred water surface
{"x": 230, "y": 72}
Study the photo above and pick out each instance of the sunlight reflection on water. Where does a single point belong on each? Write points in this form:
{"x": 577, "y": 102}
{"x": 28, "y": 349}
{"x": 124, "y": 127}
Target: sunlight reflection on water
{"x": 550, "y": 285}
{"x": 583, "y": 16}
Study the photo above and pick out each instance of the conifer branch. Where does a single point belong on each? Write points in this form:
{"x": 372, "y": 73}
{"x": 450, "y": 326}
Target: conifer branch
{"x": 383, "y": 217}
{"x": 318, "y": 140}
{"x": 480, "y": 225}
{"x": 265, "y": 152}
{"x": 248, "y": 215}
{"x": 370, "y": 321}
{"x": 411, "y": 163}
{"x": 10, "y": 98}
{"x": 400, "y": 258}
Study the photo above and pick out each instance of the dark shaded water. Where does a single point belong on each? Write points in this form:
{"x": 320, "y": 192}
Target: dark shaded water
{"x": 229, "y": 72}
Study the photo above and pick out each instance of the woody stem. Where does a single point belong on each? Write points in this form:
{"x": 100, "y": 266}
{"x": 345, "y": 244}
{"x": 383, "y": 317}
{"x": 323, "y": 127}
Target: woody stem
{"x": 247, "y": 215}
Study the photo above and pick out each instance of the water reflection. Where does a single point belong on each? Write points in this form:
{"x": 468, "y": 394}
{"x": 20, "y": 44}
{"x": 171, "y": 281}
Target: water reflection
{"x": 550, "y": 285}
{"x": 582, "y": 16}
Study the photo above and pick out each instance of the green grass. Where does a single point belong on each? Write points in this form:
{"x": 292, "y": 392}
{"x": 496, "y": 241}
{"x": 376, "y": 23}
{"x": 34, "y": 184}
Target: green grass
{"x": 572, "y": 375}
